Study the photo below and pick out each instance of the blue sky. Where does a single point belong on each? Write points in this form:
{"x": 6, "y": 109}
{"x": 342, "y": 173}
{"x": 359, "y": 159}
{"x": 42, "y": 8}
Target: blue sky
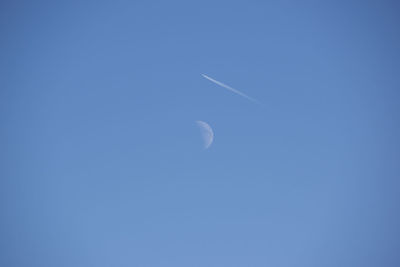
{"x": 102, "y": 163}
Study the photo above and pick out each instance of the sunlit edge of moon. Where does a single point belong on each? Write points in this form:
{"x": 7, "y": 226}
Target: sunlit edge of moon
{"x": 206, "y": 133}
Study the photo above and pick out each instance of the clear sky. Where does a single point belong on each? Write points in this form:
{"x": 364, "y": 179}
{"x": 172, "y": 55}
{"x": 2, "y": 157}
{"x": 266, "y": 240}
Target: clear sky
{"x": 101, "y": 161}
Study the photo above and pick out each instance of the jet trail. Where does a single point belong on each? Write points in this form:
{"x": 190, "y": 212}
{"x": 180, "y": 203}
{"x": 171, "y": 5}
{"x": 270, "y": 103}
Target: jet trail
{"x": 229, "y": 88}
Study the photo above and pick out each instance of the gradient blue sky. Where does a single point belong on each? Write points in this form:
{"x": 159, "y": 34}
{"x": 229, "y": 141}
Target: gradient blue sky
{"x": 101, "y": 160}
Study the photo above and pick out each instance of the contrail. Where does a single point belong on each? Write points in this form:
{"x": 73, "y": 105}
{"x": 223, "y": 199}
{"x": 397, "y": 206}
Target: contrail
{"x": 229, "y": 88}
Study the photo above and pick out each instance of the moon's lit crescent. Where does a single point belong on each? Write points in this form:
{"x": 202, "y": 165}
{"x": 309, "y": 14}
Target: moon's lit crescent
{"x": 206, "y": 133}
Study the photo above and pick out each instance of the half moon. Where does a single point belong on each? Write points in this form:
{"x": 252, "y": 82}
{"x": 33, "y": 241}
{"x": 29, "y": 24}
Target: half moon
{"x": 206, "y": 133}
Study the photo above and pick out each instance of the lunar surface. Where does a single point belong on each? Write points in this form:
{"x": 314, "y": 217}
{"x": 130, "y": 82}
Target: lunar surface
{"x": 206, "y": 133}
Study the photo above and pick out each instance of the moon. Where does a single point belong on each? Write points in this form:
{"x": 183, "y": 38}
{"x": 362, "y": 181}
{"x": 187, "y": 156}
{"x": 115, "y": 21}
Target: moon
{"x": 206, "y": 133}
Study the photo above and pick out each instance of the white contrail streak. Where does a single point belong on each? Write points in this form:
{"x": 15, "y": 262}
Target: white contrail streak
{"x": 229, "y": 88}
